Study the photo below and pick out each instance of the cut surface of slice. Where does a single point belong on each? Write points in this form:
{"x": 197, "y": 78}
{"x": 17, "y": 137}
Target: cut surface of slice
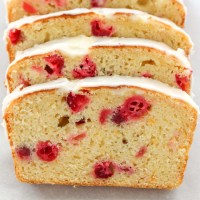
{"x": 82, "y": 57}
{"x": 143, "y": 142}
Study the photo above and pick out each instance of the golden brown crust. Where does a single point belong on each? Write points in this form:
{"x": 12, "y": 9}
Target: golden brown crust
{"x": 11, "y": 55}
{"x": 182, "y": 12}
{"x": 76, "y": 184}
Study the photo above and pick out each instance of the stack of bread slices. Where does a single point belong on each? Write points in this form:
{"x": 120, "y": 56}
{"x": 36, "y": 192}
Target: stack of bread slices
{"x": 99, "y": 92}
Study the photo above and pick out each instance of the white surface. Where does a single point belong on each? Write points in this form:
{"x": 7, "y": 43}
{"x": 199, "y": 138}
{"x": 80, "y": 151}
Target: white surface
{"x": 11, "y": 189}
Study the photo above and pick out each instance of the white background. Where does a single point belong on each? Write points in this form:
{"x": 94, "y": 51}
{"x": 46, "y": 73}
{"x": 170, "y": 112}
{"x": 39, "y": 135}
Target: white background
{"x": 11, "y": 189}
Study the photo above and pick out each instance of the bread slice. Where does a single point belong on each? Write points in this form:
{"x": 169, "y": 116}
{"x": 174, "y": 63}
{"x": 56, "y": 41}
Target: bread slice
{"x": 27, "y": 32}
{"x": 102, "y": 131}
{"x": 171, "y": 9}
{"x": 81, "y": 57}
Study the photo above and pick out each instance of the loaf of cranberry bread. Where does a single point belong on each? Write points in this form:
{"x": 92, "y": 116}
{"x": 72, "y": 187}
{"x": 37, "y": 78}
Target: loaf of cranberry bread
{"x": 101, "y": 131}
{"x": 27, "y": 32}
{"x": 82, "y": 57}
{"x": 171, "y": 9}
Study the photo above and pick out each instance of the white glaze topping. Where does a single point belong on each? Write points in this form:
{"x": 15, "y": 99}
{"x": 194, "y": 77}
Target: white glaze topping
{"x": 99, "y": 11}
{"x": 109, "y": 12}
{"x": 81, "y": 45}
{"x": 113, "y": 81}
{"x": 77, "y": 11}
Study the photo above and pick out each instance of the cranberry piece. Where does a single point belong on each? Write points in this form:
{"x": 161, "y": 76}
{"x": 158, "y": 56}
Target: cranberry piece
{"x": 29, "y": 8}
{"x": 60, "y": 3}
{"x": 141, "y": 152}
{"x": 100, "y": 29}
{"x": 75, "y": 139}
{"x": 127, "y": 169}
{"x": 124, "y": 169}
{"x": 133, "y": 108}
{"x": 104, "y": 170}
{"x": 80, "y": 122}
{"x": 47, "y": 151}
{"x": 38, "y": 69}
{"x": 86, "y": 69}
{"x": 105, "y": 113}
{"x": 55, "y": 64}
{"x": 147, "y": 75}
{"x": 98, "y": 3}
{"x": 48, "y": 69}
{"x": 119, "y": 116}
{"x": 23, "y": 153}
{"x": 24, "y": 82}
{"x": 15, "y": 36}
{"x": 182, "y": 82}
{"x": 77, "y": 102}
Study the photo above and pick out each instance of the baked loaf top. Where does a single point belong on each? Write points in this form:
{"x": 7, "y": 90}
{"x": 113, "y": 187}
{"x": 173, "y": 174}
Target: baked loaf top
{"x": 27, "y": 32}
{"x": 171, "y": 9}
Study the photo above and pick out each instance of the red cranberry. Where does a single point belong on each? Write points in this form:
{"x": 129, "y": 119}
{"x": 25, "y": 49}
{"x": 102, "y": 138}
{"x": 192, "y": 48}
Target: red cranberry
{"x": 118, "y": 116}
{"x": 104, "y": 170}
{"x": 48, "y": 69}
{"x": 29, "y": 8}
{"x": 182, "y": 82}
{"x": 15, "y": 36}
{"x": 127, "y": 169}
{"x": 86, "y": 69}
{"x": 100, "y": 29}
{"x": 24, "y": 82}
{"x": 38, "y": 69}
{"x": 23, "y": 153}
{"x": 75, "y": 139}
{"x": 77, "y": 102}
{"x": 124, "y": 169}
{"x": 133, "y": 108}
{"x": 55, "y": 64}
{"x": 98, "y": 3}
{"x": 80, "y": 122}
{"x": 60, "y": 3}
{"x": 147, "y": 75}
{"x": 105, "y": 113}
{"x": 141, "y": 152}
{"x": 47, "y": 151}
